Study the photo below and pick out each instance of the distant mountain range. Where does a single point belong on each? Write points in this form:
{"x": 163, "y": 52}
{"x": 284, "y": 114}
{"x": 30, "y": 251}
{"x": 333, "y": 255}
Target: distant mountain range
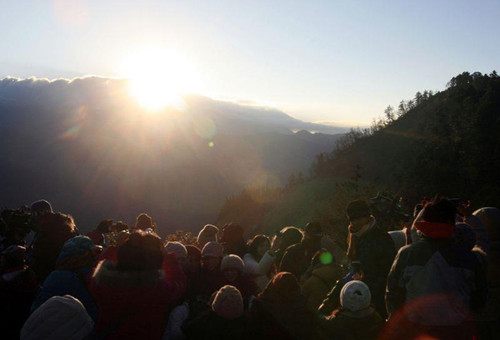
{"x": 90, "y": 149}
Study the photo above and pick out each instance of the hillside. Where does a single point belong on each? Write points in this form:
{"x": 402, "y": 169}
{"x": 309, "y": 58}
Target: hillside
{"x": 446, "y": 142}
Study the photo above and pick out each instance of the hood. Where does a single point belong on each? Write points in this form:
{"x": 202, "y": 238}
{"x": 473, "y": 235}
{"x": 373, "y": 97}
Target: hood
{"x": 106, "y": 273}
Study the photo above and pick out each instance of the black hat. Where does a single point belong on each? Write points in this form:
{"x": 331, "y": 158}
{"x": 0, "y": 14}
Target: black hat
{"x": 358, "y": 209}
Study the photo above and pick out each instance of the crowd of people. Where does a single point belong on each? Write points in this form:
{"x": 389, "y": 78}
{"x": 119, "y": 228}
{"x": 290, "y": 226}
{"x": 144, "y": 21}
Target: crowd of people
{"x": 436, "y": 279}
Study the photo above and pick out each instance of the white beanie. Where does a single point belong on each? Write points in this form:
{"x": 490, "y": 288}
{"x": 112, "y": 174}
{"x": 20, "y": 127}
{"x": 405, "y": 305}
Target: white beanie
{"x": 228, "y": 303}
{"x": 355, "y": 296}
{"x": 177, "y": 248}
{"x": 60, "y": 317}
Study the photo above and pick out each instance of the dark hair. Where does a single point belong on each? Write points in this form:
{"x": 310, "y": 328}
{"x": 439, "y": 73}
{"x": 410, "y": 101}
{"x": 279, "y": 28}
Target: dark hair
{"x": 254, "y": 243}
{"x": 142, "y": 251}
{"x": 439, "y": 210}
{"x": 104, "y": 226}
{"x": 144, "y": 221}
{"x": 120, "y": 225}
{"x": 58, "y": 227}
{"x": 289, "y": 236}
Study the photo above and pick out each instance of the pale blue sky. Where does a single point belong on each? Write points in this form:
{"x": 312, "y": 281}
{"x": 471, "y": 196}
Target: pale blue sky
{"x": 340, "y": 61}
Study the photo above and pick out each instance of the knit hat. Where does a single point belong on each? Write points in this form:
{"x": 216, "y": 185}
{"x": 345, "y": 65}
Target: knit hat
{"x": 177, "y": 248}
{"x": 207, "y": 234}
{"x": 355, "y": 296}
{"x": 213, "y": 249}
{"x": 77, "y": 245}
{"x": 40, "y": 207}
{"x": 228, "y": 303}
{"x": 358, "y": 209}
{"x": 60, "y": 317}
{"x": 232, "y": 262}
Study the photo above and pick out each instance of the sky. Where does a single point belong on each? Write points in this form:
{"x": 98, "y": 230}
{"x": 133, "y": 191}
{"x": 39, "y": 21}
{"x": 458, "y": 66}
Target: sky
{"x": 319, "y": 61}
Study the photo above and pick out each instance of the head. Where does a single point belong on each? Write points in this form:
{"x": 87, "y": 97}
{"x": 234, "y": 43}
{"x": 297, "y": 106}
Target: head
{"x": 179, "y": 250}
{"x": 355, "y": 296}
{"x": 105, "y": 226}
{"x": 77, "y": 252}
{"x": 211, "y": 256}
{"x": 119, "y": 226}
{"x": 60, "y": 317}
{"x": 313, "y": 231}
{"x": 258, "y": 246}
{"x": 284, "y": 287}
{"x": 143, "y": 222}
{"x": 142, "y": 251}
{"x": 13, "y": 257}
{"x": 232, "y": 267}
{"x": 490, "y": 218}
{"x": 228, "y": 303}
{"x": 231, "y": 234}
{"x": 359, "y": 215}
{"x": 289, "y": 236}
{"x": 57, "y": 227}
{"x": 193, "y": 258}
{"x": 437, "y": 219}
{"x": 40, "y": 207}
{"x": 207, "y": 234}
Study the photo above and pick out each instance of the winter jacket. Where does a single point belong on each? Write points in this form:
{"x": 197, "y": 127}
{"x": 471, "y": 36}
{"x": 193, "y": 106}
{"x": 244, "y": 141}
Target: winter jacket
{"x": 362, "y": 325}
{"x": 18, "y": 287}
{"x": 134, "y": 304}
{"x": 436, "y": 281}
{"x": 375, "y": 250}
{"x": 211, "y": 326}
{"x": 176, "y": 319}
{"x": 317, "y": 286}
{"x": 259, "y": 271}
{"x": 65, "y": 282}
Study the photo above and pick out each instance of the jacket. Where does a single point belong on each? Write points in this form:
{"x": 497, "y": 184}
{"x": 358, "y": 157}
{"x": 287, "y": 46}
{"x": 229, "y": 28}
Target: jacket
{"x": 134, "y": 304}
{"x": 259, "y": 270}
{"x": 434, "y": 282}
{"x": 316, "y": 287}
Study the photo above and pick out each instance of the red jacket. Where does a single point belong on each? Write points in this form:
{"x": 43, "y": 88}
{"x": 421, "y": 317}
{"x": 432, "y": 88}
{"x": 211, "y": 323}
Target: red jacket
{"x": 134, "y": 304}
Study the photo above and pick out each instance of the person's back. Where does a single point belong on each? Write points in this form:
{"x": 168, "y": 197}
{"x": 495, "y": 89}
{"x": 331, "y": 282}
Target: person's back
{"x": 134, "y": 295}
{"x": 434, "y": 283}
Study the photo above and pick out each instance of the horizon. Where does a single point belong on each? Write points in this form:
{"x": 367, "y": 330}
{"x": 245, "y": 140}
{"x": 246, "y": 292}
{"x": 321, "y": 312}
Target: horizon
{"x": 339, "y": 62}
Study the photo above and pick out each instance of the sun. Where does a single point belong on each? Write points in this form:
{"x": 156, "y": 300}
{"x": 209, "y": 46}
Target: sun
{"x": 158, "y": 78}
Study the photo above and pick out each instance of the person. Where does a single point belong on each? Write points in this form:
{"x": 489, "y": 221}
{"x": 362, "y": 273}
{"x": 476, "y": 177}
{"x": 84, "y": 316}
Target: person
{"x": 232, "y": 240}
{"x": 97, "y": 235}
{"x": 280, "y": 312}
{"x": 60, "y": 317}
{"x": 135, "y": 294}
{"x": 434, "y": 283}
{"x": 356, "y": 316}
{"x": 225, "y": 320}
{"x": 372, "y": 246}
{"x": 233, "y": 267}
{"x": 298, "y": 257}
{"x": 286, "y": 237}
{"x": 211, "y": 277}
{"x": 259, "y": 261}
{"x": 193, "y": 260}
{"x": 18, "y": 287}
{"x": 320, "y": 278}
{"x": 52, "y": 231}
{"x": 74, "y": 266}
{"x": 207, "y": 234}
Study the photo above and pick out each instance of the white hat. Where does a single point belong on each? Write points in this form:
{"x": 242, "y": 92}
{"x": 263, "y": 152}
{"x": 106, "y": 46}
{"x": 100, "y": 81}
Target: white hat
{"x": 355, "y": 296}
{"x": 60, "y": 317}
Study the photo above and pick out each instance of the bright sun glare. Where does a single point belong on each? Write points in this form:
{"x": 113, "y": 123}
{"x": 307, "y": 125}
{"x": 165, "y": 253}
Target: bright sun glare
{"x": 159, "y": 77}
